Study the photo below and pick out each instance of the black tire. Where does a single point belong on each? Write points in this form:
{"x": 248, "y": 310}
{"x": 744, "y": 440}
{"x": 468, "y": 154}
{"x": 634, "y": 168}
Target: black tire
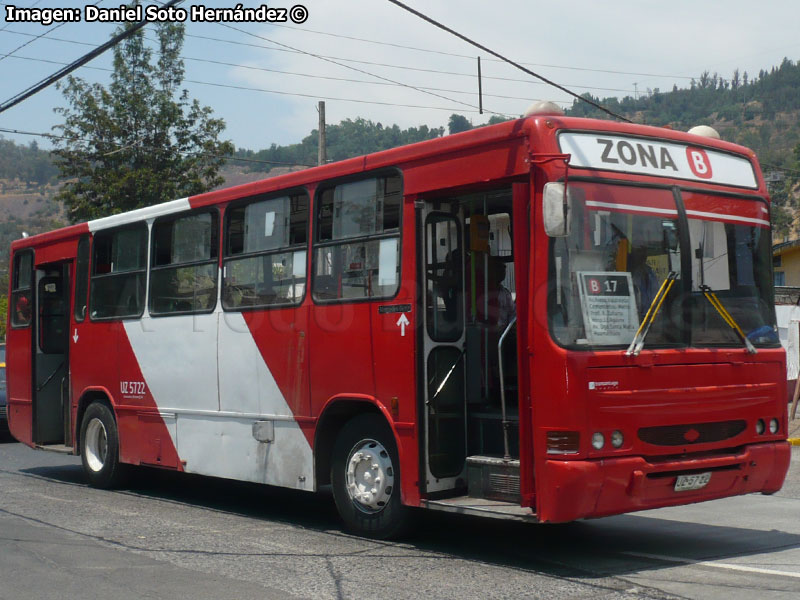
{"x": 381, "y": 515}
{"x": 100, "y": 447}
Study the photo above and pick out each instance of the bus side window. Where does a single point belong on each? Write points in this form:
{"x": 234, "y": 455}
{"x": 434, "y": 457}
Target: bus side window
{"x": 357, "y": 249}
{"x": 118, "y": 273}
{"x": 81, "y": 278}
{"x": 265, "y": 252}
{"x": 21, "y": 289}
{"x": 183, "y": 270}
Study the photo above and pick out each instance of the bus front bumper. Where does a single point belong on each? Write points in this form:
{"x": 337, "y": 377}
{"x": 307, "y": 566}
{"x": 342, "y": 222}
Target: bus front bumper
{"x": 579, "y": 489}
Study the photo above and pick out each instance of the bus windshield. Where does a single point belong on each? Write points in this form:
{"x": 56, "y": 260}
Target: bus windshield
{"x": 624, "y": 242}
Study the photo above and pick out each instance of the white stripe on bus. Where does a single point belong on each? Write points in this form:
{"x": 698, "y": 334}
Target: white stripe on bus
{"x": 140, "y": 214}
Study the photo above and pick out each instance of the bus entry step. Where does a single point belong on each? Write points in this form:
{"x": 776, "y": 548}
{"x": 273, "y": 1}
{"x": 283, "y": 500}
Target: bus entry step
{"x": 493, "y": 478}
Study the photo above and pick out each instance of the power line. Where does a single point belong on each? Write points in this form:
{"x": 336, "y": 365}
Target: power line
{"x": 307, "y": 75}
{"x": 280, "y": 92}
{"x": 391, "y": 66}
{"x": 48, "y": 81}
{"x": 365, "y": 62}
{"x": 318, "y": 96}
{"x": 509, "y": 61}
{"x": 454, "y": 54}
{"x": 41, "y": 35}
{"x": 472, "y": 106}
{"x": 351, "y": 68}
{"x": 36, "y": 37}
{"x": 9, "y": 23}
{"x": 779, "y": 168}
{"x": 343, "y": 79}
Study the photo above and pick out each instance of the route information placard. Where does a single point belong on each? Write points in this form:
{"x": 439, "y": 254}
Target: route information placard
{"x": 609, "y": 307}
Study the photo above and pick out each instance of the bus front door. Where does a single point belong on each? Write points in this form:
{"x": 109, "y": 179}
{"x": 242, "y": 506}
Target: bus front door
{"x": 51, "y": 354}
{"x": 443, "y": 345}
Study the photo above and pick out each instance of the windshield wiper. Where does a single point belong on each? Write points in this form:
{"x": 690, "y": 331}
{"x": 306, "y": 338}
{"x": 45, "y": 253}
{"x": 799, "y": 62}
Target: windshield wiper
{"x": 726, "y": 316}
{"x": 638, "y": 340}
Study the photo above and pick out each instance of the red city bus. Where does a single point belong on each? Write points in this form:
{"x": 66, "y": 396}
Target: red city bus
{"x": 546, "y": 319}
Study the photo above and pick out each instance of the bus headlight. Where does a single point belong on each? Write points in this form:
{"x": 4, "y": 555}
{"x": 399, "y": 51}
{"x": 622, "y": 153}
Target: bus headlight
{"x": 760, "y": 426}
{"x": 773, "y": 425}
{"x": 617, "y": 439}
{"x": 598, "y": 441}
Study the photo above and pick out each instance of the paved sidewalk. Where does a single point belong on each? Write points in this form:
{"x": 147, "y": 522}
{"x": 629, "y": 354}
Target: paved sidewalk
{"x": 794, "y": 430}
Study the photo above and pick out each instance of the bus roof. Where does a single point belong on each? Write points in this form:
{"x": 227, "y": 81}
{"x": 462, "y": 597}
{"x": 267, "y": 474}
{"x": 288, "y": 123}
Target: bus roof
{"x": 542, "y": 129}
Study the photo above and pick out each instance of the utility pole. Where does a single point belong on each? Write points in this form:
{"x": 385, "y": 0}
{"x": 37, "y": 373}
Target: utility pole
{"x": 480, "y": 88}
{"x": 321, "y": 154}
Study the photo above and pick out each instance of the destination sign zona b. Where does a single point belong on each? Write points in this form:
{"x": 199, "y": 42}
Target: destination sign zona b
{"x": 647, "y": 156}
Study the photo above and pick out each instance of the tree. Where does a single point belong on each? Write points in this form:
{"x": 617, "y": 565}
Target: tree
{"x": 735, "y": 81}
{"x": 458, "y": 123}
{"x": 495, "y": 119}
{"x": 141, "y": 140}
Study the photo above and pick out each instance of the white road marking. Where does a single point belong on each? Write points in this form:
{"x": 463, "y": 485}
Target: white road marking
{"x": 714, "y": 563}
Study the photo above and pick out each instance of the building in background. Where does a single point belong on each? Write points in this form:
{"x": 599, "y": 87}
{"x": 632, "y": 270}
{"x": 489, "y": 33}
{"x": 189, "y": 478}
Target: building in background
{"x": 786, "y": 263}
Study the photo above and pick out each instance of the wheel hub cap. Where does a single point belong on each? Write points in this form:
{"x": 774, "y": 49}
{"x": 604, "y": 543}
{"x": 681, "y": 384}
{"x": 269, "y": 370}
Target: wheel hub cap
{"x": 96, "y": 445}
{"x": 369, "y": 476}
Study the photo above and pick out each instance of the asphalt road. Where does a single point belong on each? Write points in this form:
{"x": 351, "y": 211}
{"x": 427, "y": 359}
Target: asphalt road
{"x": 178, "y": 536}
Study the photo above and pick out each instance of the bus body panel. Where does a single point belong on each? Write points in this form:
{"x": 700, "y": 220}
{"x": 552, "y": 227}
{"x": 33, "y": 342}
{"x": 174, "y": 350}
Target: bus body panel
{"x": 212, "y": 425}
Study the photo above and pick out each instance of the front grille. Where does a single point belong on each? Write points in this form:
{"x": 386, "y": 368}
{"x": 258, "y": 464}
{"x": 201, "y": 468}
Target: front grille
{"x": 696, "y": 433}
{"x": 3, "y": 412}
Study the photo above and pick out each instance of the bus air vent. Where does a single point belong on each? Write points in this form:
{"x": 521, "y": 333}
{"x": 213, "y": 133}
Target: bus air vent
{"x": 493, "y": 478}
{"x": 695, "y": 433}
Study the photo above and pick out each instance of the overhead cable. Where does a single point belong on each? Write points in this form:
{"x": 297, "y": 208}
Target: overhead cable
{"x": 342, "y": 79}
{"x": 61, "y": 73}
{"x": 472, "y": 106}
{"x": 351, "y": 60}
{"x": 508, "y": 60}
{"x": 467, "y": 56}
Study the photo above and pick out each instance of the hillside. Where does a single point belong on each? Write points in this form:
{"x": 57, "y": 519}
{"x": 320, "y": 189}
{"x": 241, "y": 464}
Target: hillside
{"x": 760, "y": 111}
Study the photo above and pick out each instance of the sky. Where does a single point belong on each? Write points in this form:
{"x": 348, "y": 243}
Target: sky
{"x": 372, "y": 59}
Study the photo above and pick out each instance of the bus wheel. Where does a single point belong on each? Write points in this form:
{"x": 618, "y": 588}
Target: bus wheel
{"x": 366, "y": 479}
{"x": 100, "y": 447}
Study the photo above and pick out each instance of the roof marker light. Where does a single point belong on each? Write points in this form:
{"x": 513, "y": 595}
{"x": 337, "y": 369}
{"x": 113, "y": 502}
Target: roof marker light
{"x": 705, "y": 131}
{"x": 544, "y": 107}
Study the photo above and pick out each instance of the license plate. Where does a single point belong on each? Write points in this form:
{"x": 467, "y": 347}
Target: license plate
{"x": 685, "y": 483}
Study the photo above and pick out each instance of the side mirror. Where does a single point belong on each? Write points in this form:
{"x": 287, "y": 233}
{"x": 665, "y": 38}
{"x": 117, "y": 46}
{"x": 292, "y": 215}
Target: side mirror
{"x": 555, "y": 209}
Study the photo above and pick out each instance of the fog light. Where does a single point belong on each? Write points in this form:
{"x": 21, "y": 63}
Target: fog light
{"x": 760, "y": 426}
{"x": 773, "y": 425}
{"x": 598, "y": 441}
{"x": 617, "y": 439}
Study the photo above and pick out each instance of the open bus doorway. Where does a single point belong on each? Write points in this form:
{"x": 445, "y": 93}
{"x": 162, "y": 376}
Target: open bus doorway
{"x": 51, "y": 355}
{"x": 469, "y": 355}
